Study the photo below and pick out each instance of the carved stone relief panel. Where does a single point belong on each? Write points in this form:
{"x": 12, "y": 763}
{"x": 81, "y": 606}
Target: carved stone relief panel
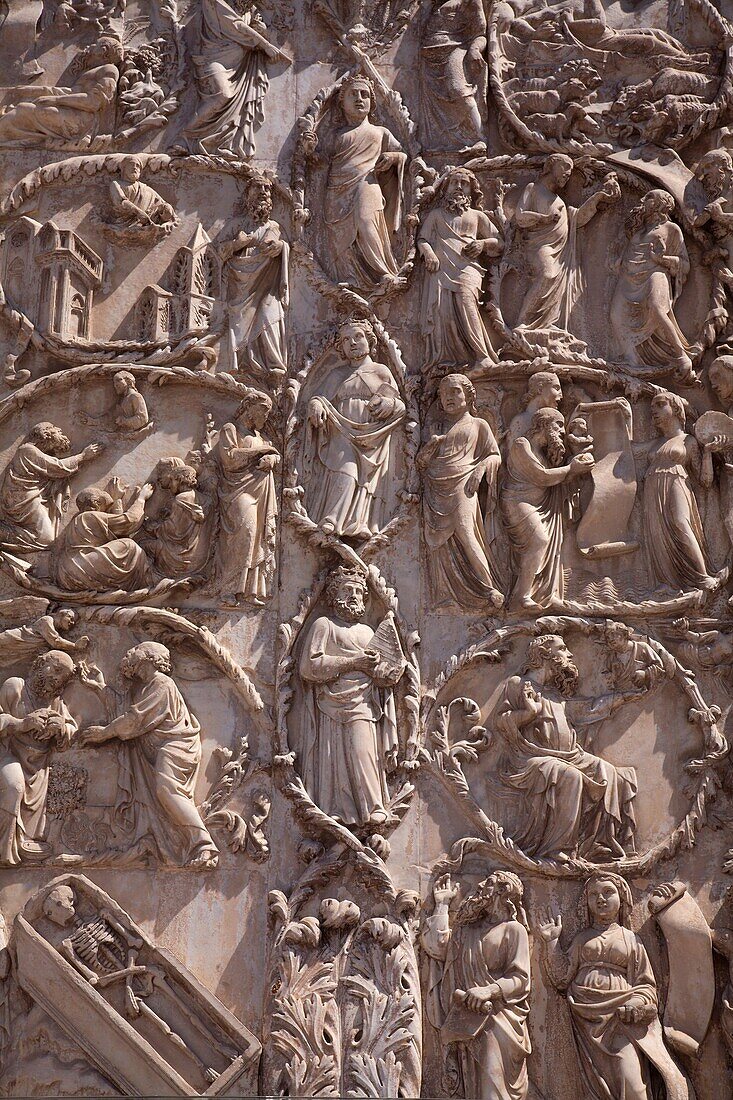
{"x": 366, "y": 521}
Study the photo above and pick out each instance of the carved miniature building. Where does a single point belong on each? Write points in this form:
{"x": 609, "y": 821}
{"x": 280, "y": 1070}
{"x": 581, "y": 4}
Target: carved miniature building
{"x": 188, "y": 307}
{"x": 52, "y": 274}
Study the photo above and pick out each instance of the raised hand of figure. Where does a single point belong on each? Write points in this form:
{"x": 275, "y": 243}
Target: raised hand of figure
{"x": 91, "y": 676}
{"x": 444, "y": 891}
{"x": 530, "y": 699}
{"x": 35, "y": 722}
{"x": 611, "y": 190}
{"x": 268, "y": 462}
{"x": 550, "y": 926}
{"x": 91, "y": 451}
{"x": 146, "y": 491}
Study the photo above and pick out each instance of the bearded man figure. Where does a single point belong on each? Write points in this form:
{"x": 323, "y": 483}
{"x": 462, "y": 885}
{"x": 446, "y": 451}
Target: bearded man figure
{"x": 255, "y": 259}
{"x": 349, "y": 729}
{"x": 34, "y": 720}
{"x": 479, "y": 984}
{"x": 159, "y": 763}
{"x": 533, "y": 502}
{"x": 574, "y": 803}
{"x": 456, "y": 241}
{"x": 35, "y": 488}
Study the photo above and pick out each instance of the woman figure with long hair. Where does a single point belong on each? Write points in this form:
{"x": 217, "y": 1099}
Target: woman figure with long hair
{"x": 612, "y": 995}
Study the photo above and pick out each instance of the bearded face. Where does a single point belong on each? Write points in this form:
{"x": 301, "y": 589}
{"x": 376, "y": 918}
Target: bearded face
{"x": 456, "y": 199}
{"x": 564, "y": 674}
{"x": 259, "y": 204}
{"x": 348, "y": 603}
{"x": 480, "y": 905}
{"x": 554, "y": 446}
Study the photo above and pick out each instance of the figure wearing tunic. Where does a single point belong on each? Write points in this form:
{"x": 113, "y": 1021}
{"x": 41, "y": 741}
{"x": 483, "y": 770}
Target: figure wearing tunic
{"x": 549, "y": 250}
{"x": 145, "y": 199}
{"x": 674, "y": 536}
{"x": 247, "y": 514}
{"x": 451, "y": 316}
{"x": 575, "y": 804}
{"x": 452, "y": 29}
{"x": 359, "y": 219}
{"x": 258, "y": 295}
{"x": 34, "y": 495}
{"x": 181, "y": 543}
{"x": 159, "y": 764}
{"x": 63, "y": 114}
{"x": 94, "y": 551}
{"x": 494, "y": 1063}
{"x": 232, "y": 76}
{"x": 354, "y": 450}
{"x": 24, "y": 770}
{"x": 349, "y": 726}
{"x": 608, "y": 967}
{"x": 452, "y": 518}
{"x": 532, "y": 502}
{"x": 646, "y": 292}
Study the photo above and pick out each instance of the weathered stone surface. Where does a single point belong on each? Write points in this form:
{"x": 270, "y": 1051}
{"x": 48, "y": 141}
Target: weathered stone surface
{"x": 366, "y": 519}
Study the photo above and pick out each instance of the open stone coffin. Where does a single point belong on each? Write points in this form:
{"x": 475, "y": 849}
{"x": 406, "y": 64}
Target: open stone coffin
{"x": 159, "y": 1032}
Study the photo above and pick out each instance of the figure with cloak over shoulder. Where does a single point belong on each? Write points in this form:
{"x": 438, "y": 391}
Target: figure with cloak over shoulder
{"x": 159, "y": 761}
{"x": 454, "y": 462}
{"x": 479, "y": 983}
{"x": 34, "y": 493}
{"x": 231, "y": 76}
{"x": 350, "y": 439}
{"x": 349, "y": 719}
{"x": 612, "y": 996}
{"x": 548, "y": 242}
{"x": 255, "y": 269}
{"x": 245, "y": 462}
{"x": 363, "y": 203}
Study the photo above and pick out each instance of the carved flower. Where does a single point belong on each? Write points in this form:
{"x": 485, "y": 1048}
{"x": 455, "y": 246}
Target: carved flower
{"x": 337, "y": 914}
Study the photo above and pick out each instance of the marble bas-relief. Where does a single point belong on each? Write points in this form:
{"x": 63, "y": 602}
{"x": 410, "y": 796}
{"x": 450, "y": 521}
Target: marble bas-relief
{"x": 366, "y": 519}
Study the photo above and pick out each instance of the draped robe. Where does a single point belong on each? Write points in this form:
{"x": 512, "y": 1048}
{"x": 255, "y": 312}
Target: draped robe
{"x": 349, "y": 457}
{"x": 230, "y": 67}
{"x": 607, "y": 968}
{"x": 95, "y": 551}
{"x": 452, "y": 518}
{"x": 349, "y": 725}
{"x": 159, "y": 762}
{"x": 549, "y": 251}
{"x": 574, "y": 803}
{"x": 258, "y": 295}
{"x": 494, "y": 1063}
{"x": 360, "y": 212}
{"x": 24, "y": 770}
{"x": 34, "y": 495}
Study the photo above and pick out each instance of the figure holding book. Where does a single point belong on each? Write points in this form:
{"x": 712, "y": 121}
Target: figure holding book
{"x": 479, "y": 984}
{"x": 349, "y": 727}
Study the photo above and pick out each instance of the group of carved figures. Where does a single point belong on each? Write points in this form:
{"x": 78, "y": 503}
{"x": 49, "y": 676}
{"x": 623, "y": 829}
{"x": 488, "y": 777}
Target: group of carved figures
{"x": 479, "y": 988}
{"x": 157, "y": 739}
{"x": 216, "y": 517}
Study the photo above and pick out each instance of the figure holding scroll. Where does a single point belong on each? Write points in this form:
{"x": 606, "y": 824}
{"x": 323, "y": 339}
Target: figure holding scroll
{"x": 349, "y": 721}
{"x": 479, "y": 984}
{"x": 612, "y": 996}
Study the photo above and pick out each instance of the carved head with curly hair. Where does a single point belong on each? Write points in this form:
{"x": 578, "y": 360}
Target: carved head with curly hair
{"x": 459, "y": 190}
{"x": 499, "y": 898}
{"x": 356, "y": 98}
